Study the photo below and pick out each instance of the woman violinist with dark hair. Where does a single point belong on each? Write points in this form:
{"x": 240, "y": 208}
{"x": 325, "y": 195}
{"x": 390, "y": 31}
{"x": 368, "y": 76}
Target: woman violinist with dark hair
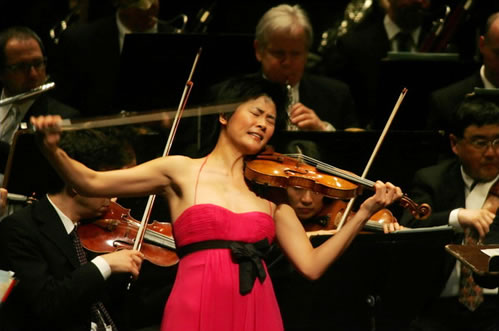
{"x": 221, "y": 227}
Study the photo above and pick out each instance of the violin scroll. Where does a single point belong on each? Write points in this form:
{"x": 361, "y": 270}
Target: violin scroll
{"x": 420, "y": 212}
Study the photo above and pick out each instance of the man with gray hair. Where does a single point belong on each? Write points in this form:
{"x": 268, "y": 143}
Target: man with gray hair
{"x": 283, "y": 38}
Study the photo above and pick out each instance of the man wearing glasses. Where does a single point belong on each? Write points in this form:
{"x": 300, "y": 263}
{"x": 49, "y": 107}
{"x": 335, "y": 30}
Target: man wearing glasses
{"x": 459, "y": 191}
{"x": 22, "y": 68}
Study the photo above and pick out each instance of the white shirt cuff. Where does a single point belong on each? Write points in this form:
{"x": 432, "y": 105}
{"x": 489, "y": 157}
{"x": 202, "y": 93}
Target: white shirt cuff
{"x": 454, "y": 222}
{"x": 103, "y": 266}
{"x": 328, "y": 126}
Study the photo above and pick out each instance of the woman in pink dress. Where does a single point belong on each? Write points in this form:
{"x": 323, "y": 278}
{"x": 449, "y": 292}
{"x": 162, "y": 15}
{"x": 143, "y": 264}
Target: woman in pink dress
{"x": 221, "y": 227}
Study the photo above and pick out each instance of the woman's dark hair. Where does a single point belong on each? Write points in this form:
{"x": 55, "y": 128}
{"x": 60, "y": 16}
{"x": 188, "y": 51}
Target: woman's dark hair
{"x": 241, "y": 89}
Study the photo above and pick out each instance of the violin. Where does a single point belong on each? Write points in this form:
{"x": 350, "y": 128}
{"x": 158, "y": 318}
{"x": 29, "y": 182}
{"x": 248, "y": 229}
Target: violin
{"x": 330, "y": 216}
{"x": 278, "y": 170}
{"x": 117, "y": 230}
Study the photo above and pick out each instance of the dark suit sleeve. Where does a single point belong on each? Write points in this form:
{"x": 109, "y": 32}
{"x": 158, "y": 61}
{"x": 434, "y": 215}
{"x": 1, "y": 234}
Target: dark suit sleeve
{"x": 54, "y": 296}
{"x": 427, "y": 188}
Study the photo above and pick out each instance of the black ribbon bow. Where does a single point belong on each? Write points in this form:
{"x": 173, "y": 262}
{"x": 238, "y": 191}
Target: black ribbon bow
{"x": 249, "y": 257}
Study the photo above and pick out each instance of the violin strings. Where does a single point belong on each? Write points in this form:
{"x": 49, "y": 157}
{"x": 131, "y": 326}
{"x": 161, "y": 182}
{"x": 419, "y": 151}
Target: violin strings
{"x": 333, "y": 170}
{"x": 156, "y": 237}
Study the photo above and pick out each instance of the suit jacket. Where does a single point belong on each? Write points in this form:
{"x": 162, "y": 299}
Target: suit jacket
{"x": 329, "y": 98}
{"x": 442, "y": 187}
{"x": 46, "y": 105}
{"x": 88, "y": 65}
{"x": 356, "y": 60}
{"x": 43, "y": 105}
{"x": 445, "y": 101}
{"x": 54, "y": 292}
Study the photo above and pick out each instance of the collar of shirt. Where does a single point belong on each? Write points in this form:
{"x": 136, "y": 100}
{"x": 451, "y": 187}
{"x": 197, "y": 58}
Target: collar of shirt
{"x": 66, "y": 221}
{"x": 468, "y": 183}
{"x": 123, "y": 30}
{"x": 486, "y": 82}
{"x": 392, "y": 29}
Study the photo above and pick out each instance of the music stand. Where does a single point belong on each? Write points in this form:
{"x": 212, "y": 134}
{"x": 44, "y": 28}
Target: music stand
{"x": 382, "y": 281}
{"x": 421, "y": 74}
{"x": 27, "y": 171}
{"x": 474, "y": 257}
{"x": 154, "y": 67}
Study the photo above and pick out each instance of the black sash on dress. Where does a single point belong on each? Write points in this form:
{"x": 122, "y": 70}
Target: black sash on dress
{"x": 248, "y": 255}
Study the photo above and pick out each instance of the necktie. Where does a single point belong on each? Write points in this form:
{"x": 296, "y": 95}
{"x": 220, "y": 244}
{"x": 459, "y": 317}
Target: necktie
{"x": 404, "y": 42}
{"x": 9, "y": 124}
{"x": 99, "y": 312}
{"x": 470, "y": 294}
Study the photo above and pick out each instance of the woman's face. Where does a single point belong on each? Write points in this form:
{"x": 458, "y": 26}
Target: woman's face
{"x": 252, "y": 124}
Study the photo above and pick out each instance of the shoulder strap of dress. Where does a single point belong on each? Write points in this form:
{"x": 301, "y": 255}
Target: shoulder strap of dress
{"x": 197, "y": 179}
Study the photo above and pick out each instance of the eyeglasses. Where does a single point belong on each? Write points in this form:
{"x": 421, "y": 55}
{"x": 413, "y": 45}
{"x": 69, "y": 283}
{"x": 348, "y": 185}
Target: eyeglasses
{"x": 483, "y": 144}
{"x": 25, "y": 67}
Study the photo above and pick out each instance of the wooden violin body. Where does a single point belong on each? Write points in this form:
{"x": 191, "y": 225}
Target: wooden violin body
{"x": 117, "y": 230}
{"x": 278, "y": 170}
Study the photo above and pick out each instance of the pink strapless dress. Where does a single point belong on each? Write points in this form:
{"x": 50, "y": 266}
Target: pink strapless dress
{"x": 205, "y": 296}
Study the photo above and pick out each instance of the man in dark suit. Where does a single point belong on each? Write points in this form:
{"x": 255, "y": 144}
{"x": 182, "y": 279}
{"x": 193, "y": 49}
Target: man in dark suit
{"x": 282, "y": 41}
{"x": 22, "y": 68}
{"x": 444, "y": 102}
{"x": 456, "y": 190}
{"x": 356, "y": 58}
{"x": 88, "y": 55}
{"x": 56, "y": 289}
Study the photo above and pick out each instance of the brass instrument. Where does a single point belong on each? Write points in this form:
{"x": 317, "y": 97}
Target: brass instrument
{"x": 355, "y": 12}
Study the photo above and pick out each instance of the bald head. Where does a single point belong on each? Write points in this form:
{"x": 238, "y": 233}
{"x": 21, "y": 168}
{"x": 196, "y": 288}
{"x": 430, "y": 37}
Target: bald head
{"x": 489, "y": 47}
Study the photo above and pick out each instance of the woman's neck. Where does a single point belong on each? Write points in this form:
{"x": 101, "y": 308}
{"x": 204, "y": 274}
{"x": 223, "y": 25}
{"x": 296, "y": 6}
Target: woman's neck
{"x": 227, "y": 156}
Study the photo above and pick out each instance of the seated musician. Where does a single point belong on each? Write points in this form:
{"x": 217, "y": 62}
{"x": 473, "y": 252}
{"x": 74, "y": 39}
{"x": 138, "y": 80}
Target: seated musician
{"x": 23, "y": 64}
{"x": 457, "y": 190}
{"x": 318, "y": 212}
{"x": 282, "y": 41}
{"x": 57, "y": 289}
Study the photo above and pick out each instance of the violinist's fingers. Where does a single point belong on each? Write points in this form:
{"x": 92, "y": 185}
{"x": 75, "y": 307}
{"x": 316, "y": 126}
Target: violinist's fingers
{"x": 46, "y": 122}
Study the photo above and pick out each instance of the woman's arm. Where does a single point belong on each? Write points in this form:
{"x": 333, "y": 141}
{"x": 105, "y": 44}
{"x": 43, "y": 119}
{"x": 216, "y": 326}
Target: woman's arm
{"x": 313, "y": 262}
{"x": 148, "y": 178}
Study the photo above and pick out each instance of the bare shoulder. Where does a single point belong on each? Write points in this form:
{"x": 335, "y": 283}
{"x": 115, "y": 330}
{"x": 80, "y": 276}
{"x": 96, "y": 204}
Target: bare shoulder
{"x": 178, "y": 165}
{"x": 283, "y": 211}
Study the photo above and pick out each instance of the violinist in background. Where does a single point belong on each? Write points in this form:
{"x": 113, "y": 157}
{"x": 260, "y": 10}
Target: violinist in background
{"x": 313, "y": 209}
{"x": 444, "y": 102}
{"x": 399, "y": 26}
{"x": 221, "y": 227}
{"x": 283, "y": 39}
{"x": 56, "y": 290}
{"x": 88, "y": 55}
{"x": 458, "y": 191}
{"x": 23, "y": 65}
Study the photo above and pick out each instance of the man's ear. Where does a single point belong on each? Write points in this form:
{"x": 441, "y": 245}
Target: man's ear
{"x": 257, "y": 48}
{"x": 222, "y": 118}
{"x": 453, "y": 143}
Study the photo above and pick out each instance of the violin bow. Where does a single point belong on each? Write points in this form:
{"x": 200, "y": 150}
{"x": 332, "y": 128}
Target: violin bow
{"x": 374, "y": 153}
{"x": 183, "y": 101}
